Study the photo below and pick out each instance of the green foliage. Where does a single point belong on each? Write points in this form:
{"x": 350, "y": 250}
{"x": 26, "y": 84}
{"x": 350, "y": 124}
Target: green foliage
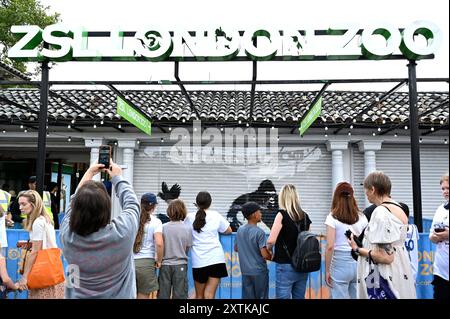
{"x": 20, "y": 12}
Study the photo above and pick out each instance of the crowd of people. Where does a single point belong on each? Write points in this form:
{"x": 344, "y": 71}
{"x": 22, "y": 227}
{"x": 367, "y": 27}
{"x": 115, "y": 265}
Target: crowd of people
{"x": 135, "y": 255}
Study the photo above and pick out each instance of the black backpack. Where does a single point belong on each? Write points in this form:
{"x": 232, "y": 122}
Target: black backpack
{"x": 306, "y": 255}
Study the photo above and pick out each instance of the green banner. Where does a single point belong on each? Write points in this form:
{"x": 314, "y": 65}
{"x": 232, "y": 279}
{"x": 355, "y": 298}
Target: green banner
{"x": 133, "y": 116}
{"x": 312, "y": 115}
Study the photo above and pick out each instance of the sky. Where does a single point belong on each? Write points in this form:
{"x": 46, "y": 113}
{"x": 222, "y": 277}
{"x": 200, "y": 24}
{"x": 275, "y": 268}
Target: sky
{"x": 242, "y": 15}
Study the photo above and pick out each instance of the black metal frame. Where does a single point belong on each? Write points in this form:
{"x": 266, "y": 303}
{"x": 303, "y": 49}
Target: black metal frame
{"x": 45, "y": 84}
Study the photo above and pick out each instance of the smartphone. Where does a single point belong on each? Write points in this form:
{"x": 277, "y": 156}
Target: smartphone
{"x": 105, "y": 155}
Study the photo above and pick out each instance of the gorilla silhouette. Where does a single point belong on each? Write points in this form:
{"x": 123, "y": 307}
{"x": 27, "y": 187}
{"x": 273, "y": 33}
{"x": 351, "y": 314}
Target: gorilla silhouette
{"x": 266, "y": 196}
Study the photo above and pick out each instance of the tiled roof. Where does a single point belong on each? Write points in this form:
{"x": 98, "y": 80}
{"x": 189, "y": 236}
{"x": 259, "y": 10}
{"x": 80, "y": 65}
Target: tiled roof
{"x": 10, "y": 73}
{"x": 223, "y": 106}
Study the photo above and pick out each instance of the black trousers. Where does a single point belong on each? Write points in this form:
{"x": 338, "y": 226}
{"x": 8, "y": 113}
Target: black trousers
{"x": 441, "y": 288}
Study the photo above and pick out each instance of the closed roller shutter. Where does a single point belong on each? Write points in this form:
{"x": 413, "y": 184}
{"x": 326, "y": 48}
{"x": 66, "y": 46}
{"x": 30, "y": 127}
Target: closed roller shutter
{"x": 395, "y": 161}
{"x": 307, "y": 167}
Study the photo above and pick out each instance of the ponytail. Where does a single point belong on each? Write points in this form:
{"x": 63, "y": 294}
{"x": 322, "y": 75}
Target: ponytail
{"x": 203, "y": 201}
{"x": 200, "y": 220}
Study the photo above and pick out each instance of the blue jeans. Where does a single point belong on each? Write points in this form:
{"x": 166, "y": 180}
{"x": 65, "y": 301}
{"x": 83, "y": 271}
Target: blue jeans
{"x": 343, "y": 275}
{"x": 255, "y": 287}
{"x": 290, "y": 284}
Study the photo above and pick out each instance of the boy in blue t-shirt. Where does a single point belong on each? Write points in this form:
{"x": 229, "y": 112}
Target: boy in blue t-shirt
{"x": 251, "y": 246}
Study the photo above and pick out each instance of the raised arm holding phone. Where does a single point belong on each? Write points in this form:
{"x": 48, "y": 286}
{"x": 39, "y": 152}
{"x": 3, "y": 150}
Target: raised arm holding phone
{"x": 99, "y": 249}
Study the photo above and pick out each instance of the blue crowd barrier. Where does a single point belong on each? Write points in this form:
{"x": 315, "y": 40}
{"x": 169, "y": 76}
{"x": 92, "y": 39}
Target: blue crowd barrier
{"x": 230, "y": 287}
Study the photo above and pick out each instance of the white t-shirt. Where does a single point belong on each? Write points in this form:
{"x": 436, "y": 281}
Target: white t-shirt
{"x": 148, "y": 243}
{"x": 38, "y": 232}
{"x": 340, "y": 240}
{"x": 206, "y": 249}
{"x": 440, "y": 264}
{"x": 3, "y": 239}
{"x": 411, "y": 245}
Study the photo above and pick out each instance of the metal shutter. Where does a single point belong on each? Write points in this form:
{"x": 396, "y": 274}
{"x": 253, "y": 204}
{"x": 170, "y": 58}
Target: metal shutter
{"x": 395, "y": 161}
{"x": 307, "y": 167}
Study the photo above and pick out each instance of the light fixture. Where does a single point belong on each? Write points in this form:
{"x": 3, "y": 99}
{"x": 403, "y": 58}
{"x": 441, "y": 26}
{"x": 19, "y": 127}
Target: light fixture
{"x": 139, "y": 142}
{"x": 432, "y": 129}
{"x": 278, "y": 138}
{"x": 101, "y": 122}
{"x": 119, "y": 126}
{"x": 396, "y": 135}
{"x": 354, "y": 120}
{"x": 183, "y": 120}
{"x": 420, "y": 140}
{"x": 170, "y": 128}
{"x": 374, "y": 134}
{"x": 21, "y": 127}
{"x": 4, "y": 131}
{"x": 162, "y": 139}
{"x": 326, "y": 128}
{"x": 73, "y": 121}
{"x": 68, "y": 126}
{"x": 384, "y": 122}
{"x": 351, "y": 127}
{"x": 247, "y": 124}
{"x": 95, "y": 126}
{"x": 349, "y": 133}
{"x": 69, "y": 139}
{"x": 221, "y": 129}
{"x": 195, "y": 129}
{"x": 406, "y": 127}
{"x": 445, "y": 141}
{"x": 267, "y": 120}
{"x": 25, "y": 130}
{"x": 240, "y": 122}
{"x": 115, "y": 143}
{"x": 273, "y": 127}
{"x": 442, "y": 122}
{"x": 326, "y": 135}
{"x": 379, "y": 129}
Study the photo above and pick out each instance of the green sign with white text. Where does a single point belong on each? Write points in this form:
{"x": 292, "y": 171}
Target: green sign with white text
{"x": 134, "y": 117}
{"x": 312, "y": 115}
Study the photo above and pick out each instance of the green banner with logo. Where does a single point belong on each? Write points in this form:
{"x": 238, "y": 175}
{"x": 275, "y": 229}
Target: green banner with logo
{"x": 133, "y": 116}
{"x": 312, "y": 115}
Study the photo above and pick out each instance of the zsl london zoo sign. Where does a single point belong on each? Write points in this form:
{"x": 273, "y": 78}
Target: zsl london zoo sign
{"x": 418, "y": 40}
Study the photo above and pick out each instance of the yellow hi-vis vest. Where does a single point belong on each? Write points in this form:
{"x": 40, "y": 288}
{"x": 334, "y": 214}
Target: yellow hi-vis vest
{"x": 47, "y": 205}
{"x": 5, "y": 199}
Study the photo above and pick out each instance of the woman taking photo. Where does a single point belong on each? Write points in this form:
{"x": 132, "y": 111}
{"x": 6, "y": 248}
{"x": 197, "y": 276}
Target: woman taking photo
{"x": 208, "y": 258}
{"x": 384, "y": 270}
{"x": 101, "y": 248}
{"x": 283, "y": 235}
{"x": 39, "y": 225}
{"x": 341, "y": 268}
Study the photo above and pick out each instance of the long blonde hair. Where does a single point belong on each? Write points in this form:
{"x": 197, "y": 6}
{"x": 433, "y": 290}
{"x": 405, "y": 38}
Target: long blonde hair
{"x": 289, "y": 200}
{"x": 35, "y": 200}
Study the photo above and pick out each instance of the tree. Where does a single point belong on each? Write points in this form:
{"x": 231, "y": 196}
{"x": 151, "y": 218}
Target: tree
{"x": 20, "y": 12}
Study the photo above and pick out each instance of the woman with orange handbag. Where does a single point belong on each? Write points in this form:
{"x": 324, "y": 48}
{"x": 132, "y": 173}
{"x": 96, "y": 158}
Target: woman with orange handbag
{"x": 42, "y": 237}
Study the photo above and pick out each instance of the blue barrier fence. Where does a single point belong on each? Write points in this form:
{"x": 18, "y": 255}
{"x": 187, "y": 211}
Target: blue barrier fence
{"x": 230, "y": 287}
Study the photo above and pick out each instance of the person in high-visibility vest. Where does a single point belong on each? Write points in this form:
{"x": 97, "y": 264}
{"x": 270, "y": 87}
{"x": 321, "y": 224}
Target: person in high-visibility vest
{"x": 5, "y": 199}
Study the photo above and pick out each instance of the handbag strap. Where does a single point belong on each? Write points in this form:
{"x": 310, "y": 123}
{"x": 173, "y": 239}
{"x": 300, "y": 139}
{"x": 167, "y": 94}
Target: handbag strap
{"x": 47, "y": 240}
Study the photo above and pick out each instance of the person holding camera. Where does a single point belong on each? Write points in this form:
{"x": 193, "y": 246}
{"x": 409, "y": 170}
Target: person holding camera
{"x": 439, "y": 236}
{"x": 341, "y": 268}
{"x": 98, "y": 248}
{"x": 384, "y": 271}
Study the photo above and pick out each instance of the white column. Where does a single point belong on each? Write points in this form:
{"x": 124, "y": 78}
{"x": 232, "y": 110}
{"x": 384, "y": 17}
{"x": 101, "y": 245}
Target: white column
{"x": 337, "y": 162}
{"x": 94, "y": 144}
{"x": 128, "y": 147}
{"x": 370, "y": 163}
